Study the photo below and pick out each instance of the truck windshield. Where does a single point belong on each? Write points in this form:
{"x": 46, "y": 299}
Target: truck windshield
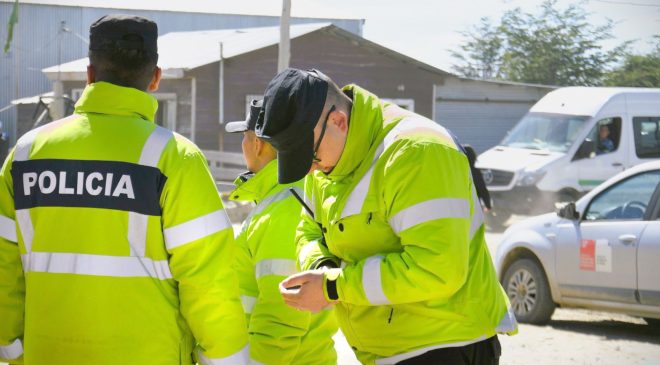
{"x": 542, "y": 131}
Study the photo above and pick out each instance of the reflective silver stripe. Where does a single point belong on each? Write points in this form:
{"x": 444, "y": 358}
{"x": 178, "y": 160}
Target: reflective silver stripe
{"x": 138, "y": 223}
{"x": 305, "y": 251}
{"x": 137, "y": 233}
{"x": 240, "y": 358}
{"x": 371, "y": 281}
{"x": 154, "y": 146}
{"x": 358, "y": 195}
{"x": 477, "y": 215}
{"x": 25, "y": 225}
{"x": 262, "y": 205}
{"x": 97, "y": 265}
{"x": 8, "y": 228}
{"x": 13, "y": 351}
{"x": 508, "y": 324}
{"x": 24, "y": 144}
{"x": 428, "y": 211}
{"x": 282, "y": 267}
{"x": 255, "y": 362}
{"x": 400, "y": 357}
{"x": 195, "y": 229}
{"x": 248, "y": 303}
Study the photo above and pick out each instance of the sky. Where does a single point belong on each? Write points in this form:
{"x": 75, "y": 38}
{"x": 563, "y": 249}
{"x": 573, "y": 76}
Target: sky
{"x": 423, "y": 29}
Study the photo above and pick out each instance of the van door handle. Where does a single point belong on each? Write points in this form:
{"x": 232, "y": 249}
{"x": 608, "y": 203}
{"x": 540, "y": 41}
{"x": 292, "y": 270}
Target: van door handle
{"x": 627, "y": 239}
{"x": 617, "y": 164}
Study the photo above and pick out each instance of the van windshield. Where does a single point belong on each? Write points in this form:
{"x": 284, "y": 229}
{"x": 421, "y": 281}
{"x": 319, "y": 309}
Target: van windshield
{"x": 542, "y": 131}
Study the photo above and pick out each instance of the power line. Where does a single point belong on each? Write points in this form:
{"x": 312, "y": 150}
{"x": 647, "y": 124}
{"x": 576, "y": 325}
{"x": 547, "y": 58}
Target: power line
{"x": 627, "y": 3}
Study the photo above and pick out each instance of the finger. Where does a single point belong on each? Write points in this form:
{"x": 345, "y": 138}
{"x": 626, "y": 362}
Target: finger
{"x": 296, "y": 279}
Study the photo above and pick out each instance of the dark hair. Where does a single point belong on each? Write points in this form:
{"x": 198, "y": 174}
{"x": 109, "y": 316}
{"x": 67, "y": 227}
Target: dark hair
{"x": 123, "y": 66}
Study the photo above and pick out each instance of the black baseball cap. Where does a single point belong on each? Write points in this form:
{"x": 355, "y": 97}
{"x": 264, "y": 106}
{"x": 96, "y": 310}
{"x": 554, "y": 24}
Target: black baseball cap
{"x": 123, "y": 32}
{"x": 250, "y": 121}
{"x": 292, "y": 105}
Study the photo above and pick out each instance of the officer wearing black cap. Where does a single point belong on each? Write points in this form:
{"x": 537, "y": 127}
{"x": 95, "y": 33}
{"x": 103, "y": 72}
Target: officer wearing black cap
{"x": 396, "y": 213}
{"x": 265, "y": 256}
{"x": 113, "y": 239}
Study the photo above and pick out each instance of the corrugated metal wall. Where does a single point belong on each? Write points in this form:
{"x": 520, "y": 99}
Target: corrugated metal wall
{"x": 39, "y": 44}
{"x": 481, "y": 113}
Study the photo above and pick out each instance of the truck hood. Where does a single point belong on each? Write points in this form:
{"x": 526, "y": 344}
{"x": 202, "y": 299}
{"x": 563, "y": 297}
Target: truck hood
{"x": 515, "y": 159}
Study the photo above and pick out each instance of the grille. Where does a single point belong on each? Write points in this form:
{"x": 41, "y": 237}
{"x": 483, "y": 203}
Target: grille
{"x": 496, "y": 177}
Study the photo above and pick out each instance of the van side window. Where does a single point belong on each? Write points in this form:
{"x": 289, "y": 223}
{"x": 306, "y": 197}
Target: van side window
{"x": 602, "y": 139}
{"x": 647, "y": 136}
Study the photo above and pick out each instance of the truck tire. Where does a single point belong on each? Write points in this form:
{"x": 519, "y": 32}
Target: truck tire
{"x": 527, "y": 288}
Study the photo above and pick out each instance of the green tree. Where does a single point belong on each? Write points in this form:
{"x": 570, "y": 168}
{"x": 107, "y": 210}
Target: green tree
{"x": 554, "y": 47}
{"x": 481, "y": 55}
{"x": 638, "y": 70}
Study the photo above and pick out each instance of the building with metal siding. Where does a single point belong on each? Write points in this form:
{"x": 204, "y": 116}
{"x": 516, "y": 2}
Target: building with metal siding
{"x": 193, "y": 80}
{"x": 481, "y": 112}
{"x": 39, "y": 41}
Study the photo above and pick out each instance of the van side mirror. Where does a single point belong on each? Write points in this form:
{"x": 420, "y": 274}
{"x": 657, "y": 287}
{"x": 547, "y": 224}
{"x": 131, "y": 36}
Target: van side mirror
{"x": 586, "y": 150}
{"x": 568, "y": 211}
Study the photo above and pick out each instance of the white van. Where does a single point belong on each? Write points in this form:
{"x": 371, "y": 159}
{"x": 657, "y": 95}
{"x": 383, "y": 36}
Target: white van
{"x": 570, "y": 141}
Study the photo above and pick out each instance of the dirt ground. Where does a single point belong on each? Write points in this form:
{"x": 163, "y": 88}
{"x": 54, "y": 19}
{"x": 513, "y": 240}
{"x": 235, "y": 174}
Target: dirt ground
{"x": 573, "y": 337}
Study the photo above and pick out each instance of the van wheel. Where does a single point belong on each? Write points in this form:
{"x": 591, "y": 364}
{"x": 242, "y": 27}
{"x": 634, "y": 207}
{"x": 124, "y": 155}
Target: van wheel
{"x": 496, "y": 219}
{"x": 528, "y": 291}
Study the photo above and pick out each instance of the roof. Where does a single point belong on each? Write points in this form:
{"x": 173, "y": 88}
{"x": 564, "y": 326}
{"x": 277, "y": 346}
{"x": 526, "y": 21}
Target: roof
{"x": 182, "y": 51}
{"x": 34, "y": 99}
{"x": 583, "y": 100}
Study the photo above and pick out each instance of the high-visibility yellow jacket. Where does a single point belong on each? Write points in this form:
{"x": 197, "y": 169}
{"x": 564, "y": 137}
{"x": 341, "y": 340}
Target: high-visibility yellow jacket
{"x": 265, "y": 256}
{"x": 400, "y": 215}
{"x": 115, "y": 246}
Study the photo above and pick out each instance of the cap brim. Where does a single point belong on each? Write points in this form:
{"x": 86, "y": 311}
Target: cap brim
{"x": 294, "y": 163}
{"x": 236, "y": 127}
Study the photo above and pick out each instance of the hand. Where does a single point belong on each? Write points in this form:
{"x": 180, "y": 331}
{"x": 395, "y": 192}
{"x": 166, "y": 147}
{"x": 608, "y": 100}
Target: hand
{"x": 304, "y": 291}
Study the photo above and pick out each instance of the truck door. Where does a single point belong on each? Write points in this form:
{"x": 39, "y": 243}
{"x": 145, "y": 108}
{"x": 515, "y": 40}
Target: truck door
{"x": 601, "y": 154}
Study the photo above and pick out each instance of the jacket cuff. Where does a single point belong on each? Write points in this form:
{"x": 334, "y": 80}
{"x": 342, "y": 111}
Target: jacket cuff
{"x": 330, "y": 284}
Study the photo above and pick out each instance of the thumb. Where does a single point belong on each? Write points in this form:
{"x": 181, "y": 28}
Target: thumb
{"x": 295, "y": 280}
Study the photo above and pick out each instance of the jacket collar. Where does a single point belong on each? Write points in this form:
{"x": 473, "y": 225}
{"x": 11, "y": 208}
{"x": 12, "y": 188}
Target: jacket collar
{"x": 255, "y": 187}
{"x": 106, "y": 98}
{"x": 365, "y": 124}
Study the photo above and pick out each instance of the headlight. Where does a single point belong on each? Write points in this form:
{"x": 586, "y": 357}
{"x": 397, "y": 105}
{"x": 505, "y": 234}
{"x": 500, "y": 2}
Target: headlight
{"x": 529, "y": 178}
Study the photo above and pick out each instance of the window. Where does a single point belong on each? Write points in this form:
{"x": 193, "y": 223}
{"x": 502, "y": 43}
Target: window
{"x": 166, "y": 113}
{"x": 603, "y": 138}
{"x": 647, "y": 136}
{"x": 539, "y": 131}
{"x": 627, "y": 199}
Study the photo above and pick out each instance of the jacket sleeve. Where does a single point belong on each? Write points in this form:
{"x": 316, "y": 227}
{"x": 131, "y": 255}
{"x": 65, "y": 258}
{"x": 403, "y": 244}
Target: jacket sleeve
{"x": 311, "y": 249}
{"x": 429, "y": 206}
{"x": 200, "y": 240}
{"x": 12, "y": 280}
{"x": 275, "y": 329}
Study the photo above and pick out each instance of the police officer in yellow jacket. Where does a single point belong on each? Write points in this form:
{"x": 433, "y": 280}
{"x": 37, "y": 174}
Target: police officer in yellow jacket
{"x": 396, "y": 211}
{"x": 114, "y": 243}
{"x": 266, "y": 255}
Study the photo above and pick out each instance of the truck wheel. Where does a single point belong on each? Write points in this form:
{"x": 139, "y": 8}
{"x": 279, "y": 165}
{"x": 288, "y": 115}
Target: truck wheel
{"x": 527, "y": 288}
{"x": 653, "y": 322}
{"x": 496, "y": 219}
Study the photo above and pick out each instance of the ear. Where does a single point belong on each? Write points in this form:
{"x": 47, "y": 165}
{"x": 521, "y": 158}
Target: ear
{"x": 91, "y": 77}
{"x": 340, "y": 119}
{"x": 258, "y": 146}
{"x": 155, "y": 79}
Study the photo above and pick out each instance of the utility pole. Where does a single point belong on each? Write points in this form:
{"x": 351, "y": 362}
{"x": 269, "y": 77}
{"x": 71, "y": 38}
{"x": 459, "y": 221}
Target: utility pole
{"x": 285, "y": 41}
{"x": 57, "y": 105}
